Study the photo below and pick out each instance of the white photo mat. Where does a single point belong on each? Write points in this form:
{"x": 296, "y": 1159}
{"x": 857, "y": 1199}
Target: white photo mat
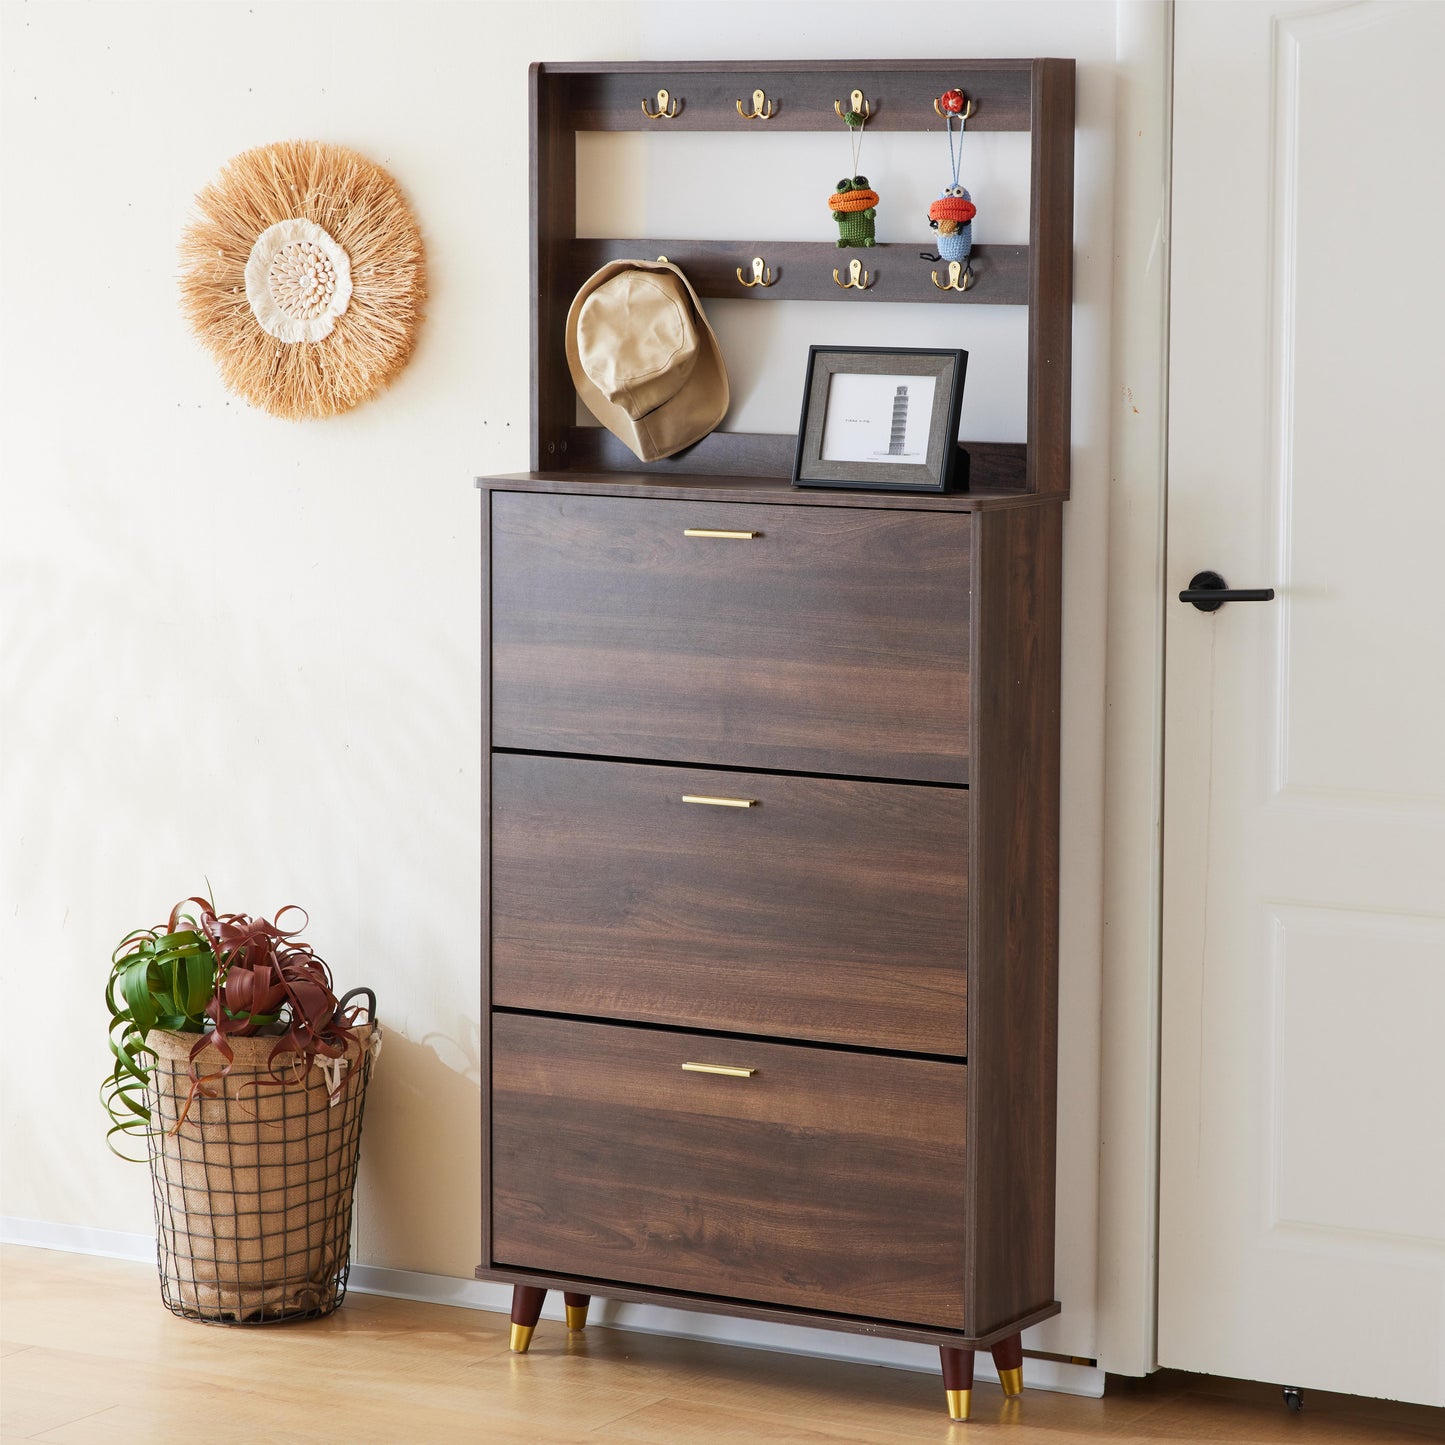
{"x": 877, "y": 418}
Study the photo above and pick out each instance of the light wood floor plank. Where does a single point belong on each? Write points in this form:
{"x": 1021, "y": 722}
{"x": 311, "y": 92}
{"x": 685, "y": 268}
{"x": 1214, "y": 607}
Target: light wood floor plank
{"x": 91, "y": 1356}
{"x": 26, "y": 1411}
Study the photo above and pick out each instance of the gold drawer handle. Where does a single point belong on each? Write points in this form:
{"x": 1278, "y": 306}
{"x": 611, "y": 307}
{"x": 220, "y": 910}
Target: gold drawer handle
{"x": 720, "y": 802}
{"x": 731, "y": 1070}
{"x": 713, "y": 532}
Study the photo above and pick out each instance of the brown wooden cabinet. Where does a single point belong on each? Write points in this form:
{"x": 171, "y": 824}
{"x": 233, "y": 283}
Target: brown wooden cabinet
{"x": 770, "y": 933}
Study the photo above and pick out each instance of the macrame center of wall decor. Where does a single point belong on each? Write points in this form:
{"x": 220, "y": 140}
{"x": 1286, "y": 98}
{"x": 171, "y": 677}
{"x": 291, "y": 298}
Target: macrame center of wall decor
{"x": 298, "y": 281}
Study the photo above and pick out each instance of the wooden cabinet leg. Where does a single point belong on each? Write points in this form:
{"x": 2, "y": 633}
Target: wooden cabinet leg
{"x": 1008, "y": 1360}
{"x": 576, "y": 1310}
{"x": 526, "y": 1310}
{"x": 957, "y": 1380}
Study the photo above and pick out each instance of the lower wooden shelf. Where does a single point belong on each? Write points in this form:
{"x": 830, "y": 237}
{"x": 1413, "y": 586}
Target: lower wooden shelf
{"x": 803, "y": 270}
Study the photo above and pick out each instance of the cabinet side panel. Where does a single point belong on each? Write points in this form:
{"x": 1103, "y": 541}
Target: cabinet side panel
{"x": 1013, "y": 982}
{"x": 485, "y": 769}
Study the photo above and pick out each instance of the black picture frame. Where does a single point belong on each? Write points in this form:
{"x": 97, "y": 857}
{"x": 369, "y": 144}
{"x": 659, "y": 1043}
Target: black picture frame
{"x": 851, "y": 451}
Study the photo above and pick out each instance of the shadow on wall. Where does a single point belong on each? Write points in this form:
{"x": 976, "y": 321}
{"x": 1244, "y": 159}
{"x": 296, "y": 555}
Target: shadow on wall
{"x": 419, "y": 1192}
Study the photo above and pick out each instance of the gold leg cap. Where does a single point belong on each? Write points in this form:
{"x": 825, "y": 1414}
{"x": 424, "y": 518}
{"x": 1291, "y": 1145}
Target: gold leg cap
{"x": 522, "y": 1338}
{"x": 959, "y": 1403}
{"x": 1012, "y": 1380}
{"x": 576, "y": 1317}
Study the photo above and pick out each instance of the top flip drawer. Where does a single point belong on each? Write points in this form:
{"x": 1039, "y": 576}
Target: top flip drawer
{"x": 811, "y": 639}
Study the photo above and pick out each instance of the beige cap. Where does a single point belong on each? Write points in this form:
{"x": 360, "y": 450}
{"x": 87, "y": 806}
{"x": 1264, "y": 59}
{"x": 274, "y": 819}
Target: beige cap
{"x": 644, "y": 359}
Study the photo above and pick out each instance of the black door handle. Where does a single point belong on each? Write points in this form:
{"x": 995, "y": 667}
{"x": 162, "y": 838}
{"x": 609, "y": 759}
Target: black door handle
{"x": 1208, "y": 591}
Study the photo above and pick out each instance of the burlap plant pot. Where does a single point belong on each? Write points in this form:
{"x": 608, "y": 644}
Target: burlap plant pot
{"x": 253, "y": 1194}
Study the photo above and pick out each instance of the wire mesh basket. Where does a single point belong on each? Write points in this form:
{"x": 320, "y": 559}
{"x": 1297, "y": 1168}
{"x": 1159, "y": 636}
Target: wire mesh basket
{"x": 253, "y": 1193}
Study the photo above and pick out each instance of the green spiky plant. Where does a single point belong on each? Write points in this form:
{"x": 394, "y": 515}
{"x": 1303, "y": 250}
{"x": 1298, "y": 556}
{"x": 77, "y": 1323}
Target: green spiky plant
{"x": 160, "y": 978}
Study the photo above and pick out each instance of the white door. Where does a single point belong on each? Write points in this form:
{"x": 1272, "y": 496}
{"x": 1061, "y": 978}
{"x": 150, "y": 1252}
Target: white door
{"x": 1302, "y": 1190}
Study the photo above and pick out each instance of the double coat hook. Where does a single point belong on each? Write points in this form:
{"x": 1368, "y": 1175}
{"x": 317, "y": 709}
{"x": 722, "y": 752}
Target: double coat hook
{"x": 857, "y": 105}
{"x": 762, "y": 109}
{"x": 858, "y": 278}
{"x": 762, "y": 275}
{"x": 667, "y": 107}
{"x": 959, "y": 278}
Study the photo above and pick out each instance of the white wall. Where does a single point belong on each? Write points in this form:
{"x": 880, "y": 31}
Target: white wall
{"x": 244, "y": 650}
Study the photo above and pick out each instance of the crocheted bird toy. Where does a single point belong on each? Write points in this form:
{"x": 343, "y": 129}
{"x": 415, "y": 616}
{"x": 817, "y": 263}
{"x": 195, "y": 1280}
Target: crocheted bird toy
{"x": 855, "y": 208}
{"x": 951, "y": 216}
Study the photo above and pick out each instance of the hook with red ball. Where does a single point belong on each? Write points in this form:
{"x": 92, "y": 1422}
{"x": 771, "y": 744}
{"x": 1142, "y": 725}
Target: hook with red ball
{"x": 951, "y": 215}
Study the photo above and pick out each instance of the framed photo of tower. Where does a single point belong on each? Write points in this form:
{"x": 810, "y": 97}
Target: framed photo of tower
{"x": 881, "y": 419}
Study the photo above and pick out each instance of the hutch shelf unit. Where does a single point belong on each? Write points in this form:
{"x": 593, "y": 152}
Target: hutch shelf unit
{"x": 770, "y": 796}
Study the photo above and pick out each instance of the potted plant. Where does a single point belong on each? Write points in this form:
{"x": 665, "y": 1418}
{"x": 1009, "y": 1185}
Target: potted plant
{"x": 245, "y": 1075}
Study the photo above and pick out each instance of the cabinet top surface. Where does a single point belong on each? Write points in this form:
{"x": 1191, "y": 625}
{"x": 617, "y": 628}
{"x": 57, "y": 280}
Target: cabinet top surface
{"x": 755, "y": 489}
{"x": 930, "y": 63}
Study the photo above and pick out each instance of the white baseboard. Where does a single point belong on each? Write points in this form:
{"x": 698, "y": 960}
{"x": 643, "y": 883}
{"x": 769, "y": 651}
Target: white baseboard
{"x": 77, "y": 1239}
{"x": 474, "y": 1294}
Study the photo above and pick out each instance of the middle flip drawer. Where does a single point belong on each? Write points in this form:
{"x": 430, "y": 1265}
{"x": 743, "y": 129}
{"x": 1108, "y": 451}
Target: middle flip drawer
{"x": 782, "y": 906}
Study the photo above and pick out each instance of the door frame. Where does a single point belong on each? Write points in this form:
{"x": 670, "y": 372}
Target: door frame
{"x": 1131, "y": 947}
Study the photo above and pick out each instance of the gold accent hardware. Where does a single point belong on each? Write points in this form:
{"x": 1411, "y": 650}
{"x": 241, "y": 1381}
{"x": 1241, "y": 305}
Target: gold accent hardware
{"x": 1012, "y": 1380}
{"x": 757, "y": 112}
{"x": 720, "y": 802}
{"x": 858, "y": 278}
{"x": 664, "y": 260}
{"x": 716, "y": 532}
{"x": 856, "y": 103}
{"x": 959, "y": 279}
{"x": 662, "y": 112}
{"x": 731, "y": 1070}
{"x": 576, "y": 1317}
{"x": 762, "y": 275}
{"x": 959, "y": 1402}
{"x": 965, "y": 114}
{"x": 521, "y": 1338}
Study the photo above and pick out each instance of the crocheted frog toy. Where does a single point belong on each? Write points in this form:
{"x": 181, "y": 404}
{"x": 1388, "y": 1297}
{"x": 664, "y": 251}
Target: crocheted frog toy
{"x": 951, "y": 215}
{"x": 854, "y": 207}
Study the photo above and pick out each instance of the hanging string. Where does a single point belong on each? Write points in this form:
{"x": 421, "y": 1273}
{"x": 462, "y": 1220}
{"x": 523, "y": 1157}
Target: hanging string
{"x": 855, "y": 137}
{"x": 955, "y": 156}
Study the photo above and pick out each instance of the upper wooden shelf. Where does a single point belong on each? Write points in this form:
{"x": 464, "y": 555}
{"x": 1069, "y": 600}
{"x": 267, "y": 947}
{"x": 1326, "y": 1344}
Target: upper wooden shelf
{"x": 900, "y": 93}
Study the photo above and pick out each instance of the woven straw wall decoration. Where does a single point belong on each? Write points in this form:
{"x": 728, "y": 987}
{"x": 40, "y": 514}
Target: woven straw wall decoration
{"x": 302, "y": 272}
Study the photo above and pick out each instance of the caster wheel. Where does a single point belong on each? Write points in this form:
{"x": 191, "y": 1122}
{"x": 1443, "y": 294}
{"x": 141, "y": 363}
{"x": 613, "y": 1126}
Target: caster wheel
{"x": 1294, "y": 1399}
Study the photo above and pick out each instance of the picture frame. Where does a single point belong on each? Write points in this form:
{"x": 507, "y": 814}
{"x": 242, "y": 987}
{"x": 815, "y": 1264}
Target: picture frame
{"x": 882, "y": 419}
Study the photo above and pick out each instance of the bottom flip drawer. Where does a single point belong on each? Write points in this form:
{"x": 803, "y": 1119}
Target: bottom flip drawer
{"x": 809, "y": 1177}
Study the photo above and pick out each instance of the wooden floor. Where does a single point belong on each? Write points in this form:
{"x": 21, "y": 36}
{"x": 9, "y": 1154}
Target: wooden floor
{"x": 90, "y": 1355}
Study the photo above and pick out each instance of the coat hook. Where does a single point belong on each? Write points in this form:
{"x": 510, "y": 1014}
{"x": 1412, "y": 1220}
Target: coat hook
{"x": 757, "y": 112}
{"x": 858, "y": 278}
{"x": 959, "y": 279}
{"x": 964, "y": 112}
{"x": 762, "y": 275}
{"x": 856, "y": 106}
{"x": 662, "y": 112}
